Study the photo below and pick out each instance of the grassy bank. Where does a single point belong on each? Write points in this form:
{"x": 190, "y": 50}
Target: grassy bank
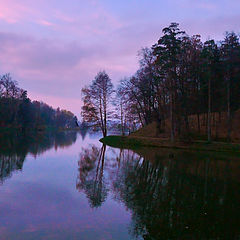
{"x": 134, "y": 142}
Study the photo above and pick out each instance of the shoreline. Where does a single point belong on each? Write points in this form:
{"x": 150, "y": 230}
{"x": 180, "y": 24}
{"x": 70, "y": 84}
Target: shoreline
{"x": 133, "y": 142}
{"x": 39, "y": 130}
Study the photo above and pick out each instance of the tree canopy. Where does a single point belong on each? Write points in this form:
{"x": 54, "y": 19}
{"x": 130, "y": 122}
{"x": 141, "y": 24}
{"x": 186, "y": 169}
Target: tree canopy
{"x": 96, "y": 99}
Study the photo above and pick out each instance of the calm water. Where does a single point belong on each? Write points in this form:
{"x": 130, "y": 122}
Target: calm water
{"x": 69, "y": 186}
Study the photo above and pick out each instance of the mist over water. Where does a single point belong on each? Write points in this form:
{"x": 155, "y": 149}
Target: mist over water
{"x": 67, "y": 185}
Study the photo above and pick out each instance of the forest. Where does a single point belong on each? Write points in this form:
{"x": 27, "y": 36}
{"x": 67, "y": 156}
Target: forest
{"x": 18, "y": 111}
{"x": 183, "y": 84}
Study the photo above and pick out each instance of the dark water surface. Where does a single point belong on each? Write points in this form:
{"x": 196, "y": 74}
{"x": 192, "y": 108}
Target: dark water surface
{"x": 68, "y": 186}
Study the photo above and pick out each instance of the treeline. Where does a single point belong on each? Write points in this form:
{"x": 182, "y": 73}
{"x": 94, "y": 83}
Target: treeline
{"x": 179, "y": 79}
{"x": 181, "y": 76}
{"x": 18, "y": 111}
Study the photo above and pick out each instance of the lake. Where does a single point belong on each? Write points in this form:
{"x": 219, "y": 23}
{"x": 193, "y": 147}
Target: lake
{"x": 67, "y": 185}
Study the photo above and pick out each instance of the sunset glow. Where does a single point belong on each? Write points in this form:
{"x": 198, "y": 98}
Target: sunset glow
{"x": 54, "y": 48}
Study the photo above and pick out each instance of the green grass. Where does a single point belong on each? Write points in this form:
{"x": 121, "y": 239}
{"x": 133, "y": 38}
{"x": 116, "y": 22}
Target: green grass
{"x": 131, "y": 142}
{"x": 121, "y": 142}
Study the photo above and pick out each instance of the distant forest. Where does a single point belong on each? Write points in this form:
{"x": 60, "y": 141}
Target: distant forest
{"x": 18, "y": 111}
{"x": 182, "y": 84}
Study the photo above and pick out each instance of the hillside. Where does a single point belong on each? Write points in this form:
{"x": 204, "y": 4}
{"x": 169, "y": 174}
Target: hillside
{"x": 198, "y": 127}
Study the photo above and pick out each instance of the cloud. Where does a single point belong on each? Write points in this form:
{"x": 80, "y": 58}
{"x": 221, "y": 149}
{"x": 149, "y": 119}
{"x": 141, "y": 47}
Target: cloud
{"x": 64, "y": 17}
{"x": 55, "y": 71}
{"x": 45, "y": 23}
{"x": 212, "y": 28}
{"x": 54, "y": 48}
{"x": 12, "y": 11}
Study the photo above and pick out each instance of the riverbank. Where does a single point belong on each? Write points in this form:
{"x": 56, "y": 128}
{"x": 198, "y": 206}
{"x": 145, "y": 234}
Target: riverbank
{"x": 36, "y": 130}
{"x": 134, "y": 142}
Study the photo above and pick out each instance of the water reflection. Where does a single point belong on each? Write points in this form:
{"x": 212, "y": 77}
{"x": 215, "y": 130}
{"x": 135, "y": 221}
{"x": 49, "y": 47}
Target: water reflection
{"x": 142, "y": 194}
{"x": 171, "y": 195}
{"x": 14, "y": 148}
{"x": 90, "y": 179}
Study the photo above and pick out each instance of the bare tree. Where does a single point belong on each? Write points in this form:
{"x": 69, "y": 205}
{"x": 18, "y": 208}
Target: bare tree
{"x": 96, "y": 98}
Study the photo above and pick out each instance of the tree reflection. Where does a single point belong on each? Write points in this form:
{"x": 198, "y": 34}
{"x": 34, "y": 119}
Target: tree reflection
{"x": 179, "y": 196}
{"x": 14, "y": 148}
{"x": 170, "y": 194}
{"x": 91, "y": 178}
{"x": 83, "y": 132}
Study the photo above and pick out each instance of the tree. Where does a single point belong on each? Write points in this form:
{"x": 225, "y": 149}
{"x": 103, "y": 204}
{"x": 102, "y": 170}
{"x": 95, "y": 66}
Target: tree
{"x": 184, "y": 84}
{"x": 230, "y": 59}
{"x": 96, "y": 99}
{"x": 120, "y": 108}
{"x": 167, "y": 52}
{"x": 210, "y": 57}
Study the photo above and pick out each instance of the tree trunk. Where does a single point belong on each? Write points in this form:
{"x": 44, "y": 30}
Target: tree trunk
{"x": 171, "y": 117}
{"x": 209, "y": 111}
{"x": 229, "y": 115}
{"x": 122, "y": 124}
{"x": 101, "y": 118}
{"x": 105, "y": 113}
{"x": 186, "y": 123}
{"x": 198, "y": 123}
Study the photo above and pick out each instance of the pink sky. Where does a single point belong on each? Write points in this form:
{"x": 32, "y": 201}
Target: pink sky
{"x": 54, "y": 48}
